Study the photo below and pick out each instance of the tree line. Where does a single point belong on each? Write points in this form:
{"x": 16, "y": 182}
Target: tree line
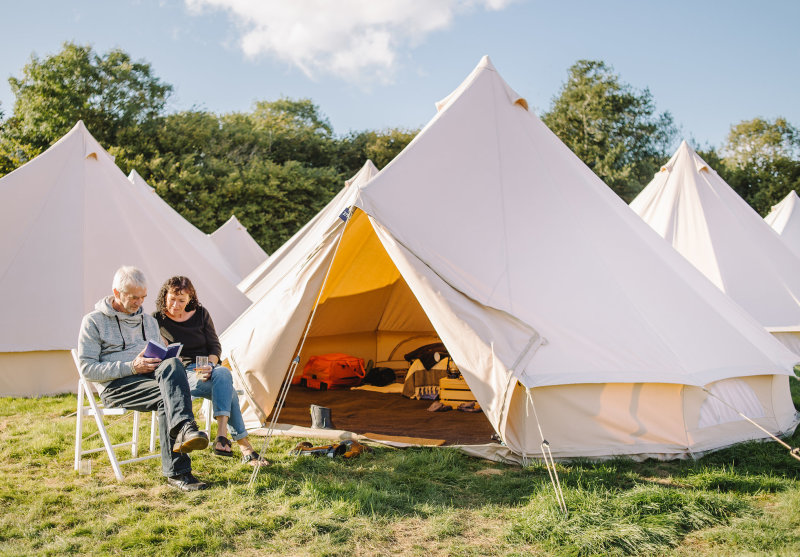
{"x": 277, "y": 165}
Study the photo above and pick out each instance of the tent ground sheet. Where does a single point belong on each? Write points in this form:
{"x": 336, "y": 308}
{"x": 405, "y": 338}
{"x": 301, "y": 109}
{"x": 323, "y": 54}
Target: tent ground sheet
{"x": 386, "y": 414}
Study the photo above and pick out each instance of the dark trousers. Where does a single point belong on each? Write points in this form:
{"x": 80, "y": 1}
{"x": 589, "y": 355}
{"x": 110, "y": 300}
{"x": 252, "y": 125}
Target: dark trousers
{"x": 167, "y": 391}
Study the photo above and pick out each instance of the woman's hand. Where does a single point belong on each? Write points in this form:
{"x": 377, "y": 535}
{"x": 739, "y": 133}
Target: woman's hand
{"x": 203, "y": 373}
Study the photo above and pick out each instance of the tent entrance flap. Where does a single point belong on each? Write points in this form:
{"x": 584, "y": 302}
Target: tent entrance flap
{"x": 366, "y": 309}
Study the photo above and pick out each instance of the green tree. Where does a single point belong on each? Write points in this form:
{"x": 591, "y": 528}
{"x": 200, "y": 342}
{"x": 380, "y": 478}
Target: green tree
{"x": 293, "y": 130}
{"x": 208, "y": 167}
{"x": 611, "y": 127}
{"x": 7, "y": 164}
{"x": 761, "y": 161}
{"x": 379, "y": 146}
{"x": 758, "y": 142}
{"x": 117, "y": 98}
{"x": 274, "y": 167}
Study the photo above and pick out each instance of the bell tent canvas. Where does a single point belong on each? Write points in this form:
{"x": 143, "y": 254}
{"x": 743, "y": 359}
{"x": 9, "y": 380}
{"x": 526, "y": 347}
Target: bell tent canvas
{"x": 68, "y": 220}
{"x": 784, "y": 218}
{"x": 688, "y": 204}
{"x": 566, "y": 315}
{"x": 241, "y": 251}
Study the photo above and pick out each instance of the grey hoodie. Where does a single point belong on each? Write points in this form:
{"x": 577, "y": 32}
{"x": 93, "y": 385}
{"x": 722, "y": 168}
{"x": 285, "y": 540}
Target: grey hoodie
{"x": 109, "y": 341}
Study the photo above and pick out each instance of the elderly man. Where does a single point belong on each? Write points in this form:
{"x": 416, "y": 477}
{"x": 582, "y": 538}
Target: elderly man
{"x": 111, "y": 346}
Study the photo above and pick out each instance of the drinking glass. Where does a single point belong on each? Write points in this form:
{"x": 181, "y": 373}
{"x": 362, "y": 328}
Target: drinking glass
{"x": 202, "y": 362}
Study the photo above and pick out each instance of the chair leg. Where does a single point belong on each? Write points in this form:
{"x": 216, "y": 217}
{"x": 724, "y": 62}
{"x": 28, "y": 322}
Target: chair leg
{"x": 135, "y": 439}
{"x": 153, "y": 430}
{"x": 98, "y": 417}
{"x": 208, "y": 411}
{"x": 79, "y": 428}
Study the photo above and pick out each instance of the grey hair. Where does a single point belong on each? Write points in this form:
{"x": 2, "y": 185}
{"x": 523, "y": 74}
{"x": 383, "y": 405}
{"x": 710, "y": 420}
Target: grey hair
{"x": 128, "y": 276}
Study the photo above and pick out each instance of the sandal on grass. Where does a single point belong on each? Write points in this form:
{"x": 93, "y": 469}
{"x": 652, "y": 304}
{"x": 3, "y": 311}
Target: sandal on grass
{"x": 226, "y": 444}
{"x": 254, "y": 459}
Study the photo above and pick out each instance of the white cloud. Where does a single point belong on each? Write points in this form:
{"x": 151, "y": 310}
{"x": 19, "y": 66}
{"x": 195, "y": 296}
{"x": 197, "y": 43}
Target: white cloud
{"x": 350, "y": 39}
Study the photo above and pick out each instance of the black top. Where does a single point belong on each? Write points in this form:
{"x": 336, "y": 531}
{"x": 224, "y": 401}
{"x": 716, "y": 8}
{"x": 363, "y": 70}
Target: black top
{"x": 197, "y": 334}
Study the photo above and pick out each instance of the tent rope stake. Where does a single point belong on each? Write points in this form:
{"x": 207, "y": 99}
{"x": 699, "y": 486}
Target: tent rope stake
{"x": 547, "y": 455}
{"x": 794, "y": 452}
{"x": 287, "y": 379}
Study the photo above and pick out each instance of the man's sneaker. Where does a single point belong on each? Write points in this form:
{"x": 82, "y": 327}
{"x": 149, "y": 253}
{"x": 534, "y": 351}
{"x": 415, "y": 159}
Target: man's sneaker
{"x": 190, "y": 438}
{"x": 186, "y": 482}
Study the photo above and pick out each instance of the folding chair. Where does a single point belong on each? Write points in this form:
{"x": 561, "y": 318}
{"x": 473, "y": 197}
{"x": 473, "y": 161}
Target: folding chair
{"x": 86, "y": 390}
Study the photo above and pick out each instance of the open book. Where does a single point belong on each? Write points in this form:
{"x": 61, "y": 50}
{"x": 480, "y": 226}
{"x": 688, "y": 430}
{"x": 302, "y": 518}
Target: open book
{"x": 157, "y": 350}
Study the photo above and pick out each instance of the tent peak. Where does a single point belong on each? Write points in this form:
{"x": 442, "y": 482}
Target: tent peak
{"x": 92, "y": 148}
{"x": 234, "y": 222}
{"x": 685, "y": 152}
{"x": 136, "y": 179}
{"x": 484, "y": 65}
{"x": 363, "y": 176}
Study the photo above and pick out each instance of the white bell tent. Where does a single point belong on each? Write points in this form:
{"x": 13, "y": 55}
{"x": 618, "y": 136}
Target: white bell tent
{"x": 239, "y": 248}
{"x": 702, "y": 217}
{"x": 561, "y": 308}
{"x": 784, "y": 218}
{"x": 68, "y": 219}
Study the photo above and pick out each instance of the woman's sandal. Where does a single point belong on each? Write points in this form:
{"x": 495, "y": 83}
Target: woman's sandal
{"x": 254, "y": 459}
{"x": 226, "y": 444}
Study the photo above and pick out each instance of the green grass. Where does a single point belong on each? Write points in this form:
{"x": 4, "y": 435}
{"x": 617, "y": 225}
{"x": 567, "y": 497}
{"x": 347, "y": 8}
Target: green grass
{"x": 740, "y": 501}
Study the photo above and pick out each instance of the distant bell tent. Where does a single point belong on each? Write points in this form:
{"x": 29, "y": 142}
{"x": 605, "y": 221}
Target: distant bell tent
{"x": 784, "y": 218}
{"x": 241, "y": 251}
{"x": 70, "y": 218}
{"x": 702, "y": 217}
{"x": 569, "y": 319}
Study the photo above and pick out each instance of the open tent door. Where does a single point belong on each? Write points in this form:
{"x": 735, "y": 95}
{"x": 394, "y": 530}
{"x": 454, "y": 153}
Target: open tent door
{"x": 366, "y": 309}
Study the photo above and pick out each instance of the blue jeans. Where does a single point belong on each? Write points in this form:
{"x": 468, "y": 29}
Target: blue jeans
{"x": 165, "y": 391}
{"x": 219, "y": 389}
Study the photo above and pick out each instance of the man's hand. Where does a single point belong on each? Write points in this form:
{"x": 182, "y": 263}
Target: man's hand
{"x": 143, "y": 365}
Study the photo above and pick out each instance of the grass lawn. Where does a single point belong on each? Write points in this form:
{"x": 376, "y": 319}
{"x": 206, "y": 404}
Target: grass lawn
{"x": 740, "y": 501}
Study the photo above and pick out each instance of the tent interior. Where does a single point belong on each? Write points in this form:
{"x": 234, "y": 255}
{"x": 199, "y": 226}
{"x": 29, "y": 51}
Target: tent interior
{"x": 367, "y": 310}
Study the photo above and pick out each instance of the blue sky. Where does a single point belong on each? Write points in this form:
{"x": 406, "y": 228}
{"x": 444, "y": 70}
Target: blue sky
{"x": 376, "y": 64}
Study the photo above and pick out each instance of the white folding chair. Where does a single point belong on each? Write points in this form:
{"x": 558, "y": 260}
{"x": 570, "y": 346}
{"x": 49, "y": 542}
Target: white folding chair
{"x": 86, "y": 390}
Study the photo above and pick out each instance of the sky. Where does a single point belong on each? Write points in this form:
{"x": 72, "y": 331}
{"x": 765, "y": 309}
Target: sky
{"x": 380, "y": 64}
